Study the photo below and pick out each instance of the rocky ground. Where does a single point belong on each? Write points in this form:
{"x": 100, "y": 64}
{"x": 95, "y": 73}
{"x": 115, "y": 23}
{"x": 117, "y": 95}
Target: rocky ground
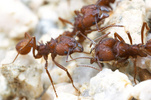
{"x": 26, "y": 78}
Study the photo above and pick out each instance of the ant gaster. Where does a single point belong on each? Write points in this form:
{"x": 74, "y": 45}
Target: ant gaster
{"x": 63, "y": 45}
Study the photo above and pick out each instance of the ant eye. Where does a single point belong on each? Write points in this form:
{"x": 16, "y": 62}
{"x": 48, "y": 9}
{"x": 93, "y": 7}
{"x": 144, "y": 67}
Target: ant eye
{"x": 101, "y": 59}
{"x": 93, "y": 23}
{"x": 65, "y": 52}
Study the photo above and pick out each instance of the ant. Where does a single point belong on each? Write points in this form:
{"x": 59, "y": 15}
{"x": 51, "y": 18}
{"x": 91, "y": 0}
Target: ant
{"x": 62, "y": 45}
{"x": 116, "y": 49}
{"x": 88, "y": 16}
{"x": 109, "y": 49}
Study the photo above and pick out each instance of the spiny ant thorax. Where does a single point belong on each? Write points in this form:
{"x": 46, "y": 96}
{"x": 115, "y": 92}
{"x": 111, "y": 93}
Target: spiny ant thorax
{"x": 51, "y": 45}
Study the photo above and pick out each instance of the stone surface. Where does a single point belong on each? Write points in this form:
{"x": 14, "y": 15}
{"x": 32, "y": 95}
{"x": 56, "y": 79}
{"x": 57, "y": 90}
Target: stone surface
{"x": 142, "y": 90}
{"x": 19, "y": 17}
{"x": 107, "y": 85}
{"x": 22, "y": 78}
{"x": 130, "y": 14}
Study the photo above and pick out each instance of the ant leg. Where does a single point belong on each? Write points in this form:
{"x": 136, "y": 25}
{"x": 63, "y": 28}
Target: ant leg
{"x": 135, "y": 70}
{"x": 102, "y": 37}
{"x": 96, "y": 23}
{"x": 46, "y": 68}
{"x": 27, "y": 35}
{"x": 104, "y": 28}
{"x": 80, "y": 58}
{"x": 65, "y": 21}
{"x": 63, "y": 68}
{"x": 89, "y": 67}
{"x": 129, "y": 36}
{"x": 142, "y": 31}
{"x": 34, "y": 48}
{"x": 99, "y": 63}
{"x": 117, "y": 36}
{"x": 68, "y": 55}
{"x": 87, "y": 37}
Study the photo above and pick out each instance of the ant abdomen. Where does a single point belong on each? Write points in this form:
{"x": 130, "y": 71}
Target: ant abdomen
{"x": 20, "y": 47}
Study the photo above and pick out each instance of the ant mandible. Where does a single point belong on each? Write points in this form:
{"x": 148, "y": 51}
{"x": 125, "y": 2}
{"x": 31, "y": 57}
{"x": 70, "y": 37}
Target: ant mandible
{"x": 62, "y": 45}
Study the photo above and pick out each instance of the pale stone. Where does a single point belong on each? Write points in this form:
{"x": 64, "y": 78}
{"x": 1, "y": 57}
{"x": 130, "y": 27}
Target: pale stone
{"x": 22, "y": 78}
{"x": 147, "y": 4}
{"x": 33, "y": 4}
{"x": 130, "y": 14}
{"x": 63, "y": 90}
{"x": 142, "y": 90}
{"x": 107, "y": 85}
{"x": 19, "y": 17}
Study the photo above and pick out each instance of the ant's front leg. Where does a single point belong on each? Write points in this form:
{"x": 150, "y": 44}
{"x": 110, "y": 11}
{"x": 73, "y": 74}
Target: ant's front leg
{"x": 34, "y": 49}
{"x": 63, "y": 68}
{"x": 50, "y": 78}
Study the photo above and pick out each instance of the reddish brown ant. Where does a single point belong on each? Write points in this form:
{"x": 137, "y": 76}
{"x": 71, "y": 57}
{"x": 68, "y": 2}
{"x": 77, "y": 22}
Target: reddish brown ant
{"x": 116, "y": 49}
{"x": 88, "y": 16}
{"x": 109, "y": 49}
{"x": 63, "y": 45}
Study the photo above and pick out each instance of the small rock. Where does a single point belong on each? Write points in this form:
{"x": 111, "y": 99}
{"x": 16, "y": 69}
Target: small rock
{"x": 63, "y": 90}
{"x": 19, "y": 17}
{"x": 107, "y": 85}
{"x": 130, "y": 14}
{"x": 142, "y": 90}
{"x": 22, "y": 78}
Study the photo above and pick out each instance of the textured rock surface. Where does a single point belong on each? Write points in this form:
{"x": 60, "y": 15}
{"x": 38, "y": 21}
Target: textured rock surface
{"x": 19, "y": 17}
{"x": 21, "y": 79}
{"x": 107, "y": 85}
{"x": 26, "y": 78}
{"x": 142, "y": 90}
{"x": 131, "y": 14}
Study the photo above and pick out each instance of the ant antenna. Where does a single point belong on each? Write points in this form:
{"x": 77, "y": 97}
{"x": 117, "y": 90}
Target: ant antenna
{"x": 82, "y": 65}
{"x": 79, "y": 58}
{"x": 104, "y": 28}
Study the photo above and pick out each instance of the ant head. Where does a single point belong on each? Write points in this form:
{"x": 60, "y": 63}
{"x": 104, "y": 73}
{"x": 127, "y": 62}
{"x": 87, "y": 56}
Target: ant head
{"x": 52, "y": 45}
